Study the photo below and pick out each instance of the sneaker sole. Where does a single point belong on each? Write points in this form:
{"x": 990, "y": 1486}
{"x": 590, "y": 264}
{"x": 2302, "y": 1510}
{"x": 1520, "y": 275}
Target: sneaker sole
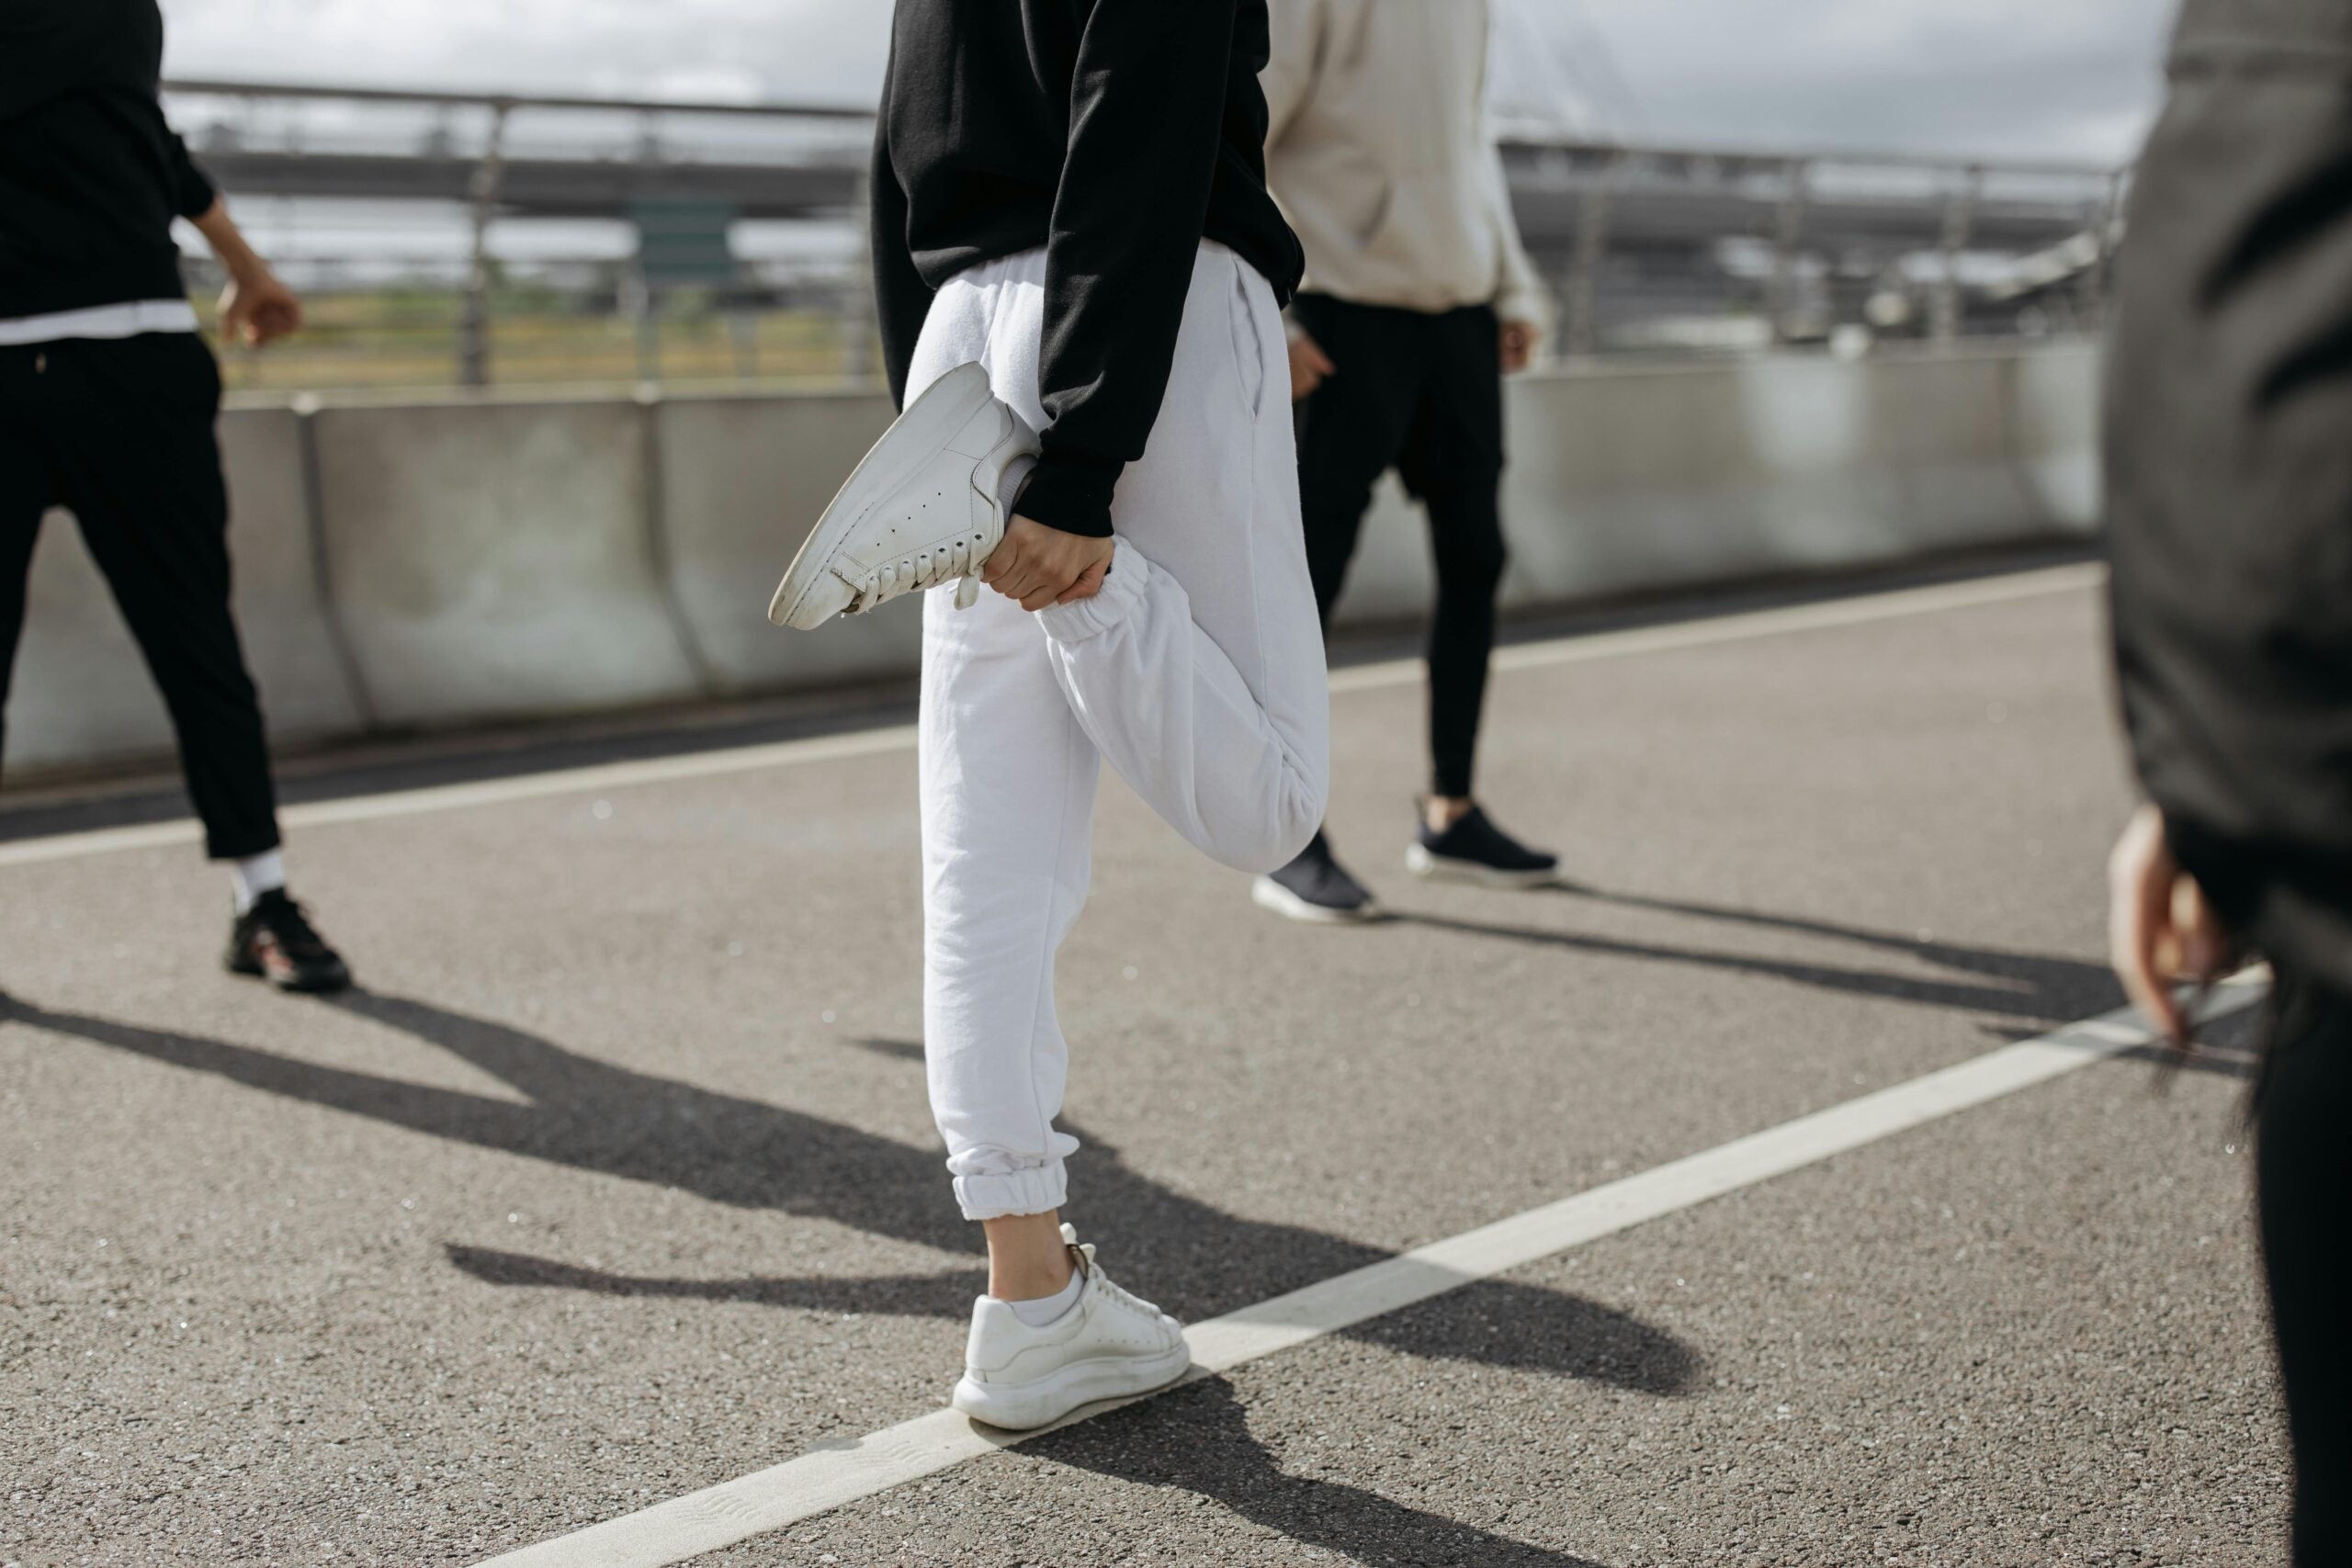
{"x": 928, "y": 424}
{"x": 316, "y": 985}
{"x": 1445, "y": 868}
{"x": 1025, "y": 1407}
{"x": 1268, "y": 893}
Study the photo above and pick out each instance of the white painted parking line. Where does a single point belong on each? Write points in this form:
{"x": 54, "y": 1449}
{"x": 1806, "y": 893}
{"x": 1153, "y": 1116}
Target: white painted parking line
{"x": 490, "y": 791}
{"x": 842, "y": 1473}
{"x": 1859, "y": 611}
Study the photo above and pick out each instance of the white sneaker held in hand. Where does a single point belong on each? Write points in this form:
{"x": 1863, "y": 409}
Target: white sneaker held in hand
{"x": 927, "y": 506}
{"x": 1111, "y": 1344}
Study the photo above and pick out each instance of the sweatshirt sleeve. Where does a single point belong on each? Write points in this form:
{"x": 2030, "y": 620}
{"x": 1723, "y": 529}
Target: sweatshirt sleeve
{"x": 1519, "y": 294}
{"x": 1146, "y": 114}
{"x": 193, "y": 191}
{"x": 1297, "y": 33}
{"x": 902, "y": 300}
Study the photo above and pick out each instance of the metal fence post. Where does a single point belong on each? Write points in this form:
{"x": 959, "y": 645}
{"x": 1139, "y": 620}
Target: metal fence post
{"x": 1592, "y": 249}
{"x": 858, "y": 323}
{"x": 1787, "y": 232}
{"x": 2100, "y": 279}
{"x": 1959, "y": 220}
{"x": 473, "y": 322}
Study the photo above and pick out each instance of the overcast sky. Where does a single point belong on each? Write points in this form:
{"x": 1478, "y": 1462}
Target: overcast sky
{"x": 2056, "y": 78}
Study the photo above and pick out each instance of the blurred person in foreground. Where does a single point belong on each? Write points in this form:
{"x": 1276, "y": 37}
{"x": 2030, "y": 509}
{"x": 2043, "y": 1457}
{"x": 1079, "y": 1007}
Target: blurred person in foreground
{"x": 1419, "y": 300}
{"x": 107, "y": 403}
{"x": 2229, "y": 455}
{"x": 1080, "y": 279}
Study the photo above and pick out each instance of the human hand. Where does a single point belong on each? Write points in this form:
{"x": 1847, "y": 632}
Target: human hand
{"x": 2161, "y": 929}
{"x": 1042, "y": 566}
{"x": 257, "y": 308}
{"x": 1519, "y": 345}
{"x": 1308, "y": 366}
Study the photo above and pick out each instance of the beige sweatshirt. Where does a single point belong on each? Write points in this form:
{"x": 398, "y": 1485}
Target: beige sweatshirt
{"x": 1380, "y": 156}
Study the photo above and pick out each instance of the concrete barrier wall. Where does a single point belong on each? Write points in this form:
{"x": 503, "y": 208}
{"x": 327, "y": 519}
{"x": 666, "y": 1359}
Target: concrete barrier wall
{"x": 1626, "y": 480}
{"x": 741, "y": 480}
{"x": 494, "y": 560}
{"x": 408, "y": 564}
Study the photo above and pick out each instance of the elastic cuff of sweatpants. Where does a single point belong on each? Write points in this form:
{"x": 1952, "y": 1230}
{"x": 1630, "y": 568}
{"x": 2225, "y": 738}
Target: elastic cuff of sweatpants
{"x": 1120, "y": 592}
{"x": 1071, "y": 492}
{"x": 1037, "y": 1190}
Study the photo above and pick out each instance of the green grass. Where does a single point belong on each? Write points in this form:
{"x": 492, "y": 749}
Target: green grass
{"x": 410, "y": 338}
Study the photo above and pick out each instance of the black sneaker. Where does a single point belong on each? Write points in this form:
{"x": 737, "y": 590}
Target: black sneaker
{"x": 1314, "y": 887}
{"x": 274, "y": 941}
{"x": 1475, "y": 850}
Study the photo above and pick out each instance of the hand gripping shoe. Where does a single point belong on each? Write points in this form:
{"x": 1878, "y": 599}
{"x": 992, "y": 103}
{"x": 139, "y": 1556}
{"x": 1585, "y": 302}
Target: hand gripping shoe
{"x": 927, "y": 506}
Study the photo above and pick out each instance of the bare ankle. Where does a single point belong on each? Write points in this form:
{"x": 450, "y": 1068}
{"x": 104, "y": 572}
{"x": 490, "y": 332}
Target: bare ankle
{"x": 1027, "y": 1259}
{"x": 1443, "y": 811}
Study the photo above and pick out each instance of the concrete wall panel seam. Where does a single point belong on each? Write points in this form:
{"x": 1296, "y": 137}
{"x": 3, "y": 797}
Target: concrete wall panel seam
{"x": 314, "y": 518}
{"x": 2008, "y": 375}
{"x": 660, "y": 558}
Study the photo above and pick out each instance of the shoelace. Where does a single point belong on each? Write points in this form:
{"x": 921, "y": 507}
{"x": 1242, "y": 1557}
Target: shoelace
{"x": 924, "y": 569}
{"x": 1111, "y": 1289}
{"x": 285, "y": 921}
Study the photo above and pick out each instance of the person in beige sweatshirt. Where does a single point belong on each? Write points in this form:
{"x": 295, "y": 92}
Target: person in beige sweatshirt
{"x": 1419, "y": 298}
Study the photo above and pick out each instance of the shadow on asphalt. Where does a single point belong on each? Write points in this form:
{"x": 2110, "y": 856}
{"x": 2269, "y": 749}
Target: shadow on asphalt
{"x": 591, "y": 1115}
{"x": 1198, "y": 1439}
{"x": 2023, "y": 986}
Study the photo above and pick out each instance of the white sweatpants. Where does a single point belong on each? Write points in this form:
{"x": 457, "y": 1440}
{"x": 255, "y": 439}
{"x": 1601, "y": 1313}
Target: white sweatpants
{"x": 1197, "y": 670}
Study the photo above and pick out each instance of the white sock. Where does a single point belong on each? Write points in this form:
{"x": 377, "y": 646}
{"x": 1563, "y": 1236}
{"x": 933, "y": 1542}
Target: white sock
{"x": 256, "y": 874}
{"x": 1047, "y": 1309}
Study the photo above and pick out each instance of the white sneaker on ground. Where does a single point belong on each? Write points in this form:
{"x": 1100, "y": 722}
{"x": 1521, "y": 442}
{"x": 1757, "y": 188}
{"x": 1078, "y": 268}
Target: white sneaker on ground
{"x": 1111, "y": 1344}
{"x": 927, "y": 506}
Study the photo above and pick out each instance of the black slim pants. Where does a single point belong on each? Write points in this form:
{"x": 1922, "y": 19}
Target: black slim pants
{"x": 2303, "y": 1189}
{"x": 1422, "y": 393}
{"x": 120, "y": 433}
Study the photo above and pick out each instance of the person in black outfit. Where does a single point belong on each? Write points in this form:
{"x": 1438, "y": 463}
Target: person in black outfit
{"x": 107, "y": 403}
{"x": 2229, "y": 455}
{"x": 1418, "y": 298}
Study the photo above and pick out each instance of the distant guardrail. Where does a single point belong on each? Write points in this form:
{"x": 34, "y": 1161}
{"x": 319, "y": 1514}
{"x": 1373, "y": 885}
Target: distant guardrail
{"x": 420, "y": 563}
{"x": 1646, "y": 246}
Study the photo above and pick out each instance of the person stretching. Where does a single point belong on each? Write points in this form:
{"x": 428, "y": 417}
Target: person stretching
{"x": 1081, "y": 278}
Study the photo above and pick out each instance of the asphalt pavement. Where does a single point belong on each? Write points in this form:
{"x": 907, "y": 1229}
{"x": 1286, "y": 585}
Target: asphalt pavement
{"x": 617, "y": 1180}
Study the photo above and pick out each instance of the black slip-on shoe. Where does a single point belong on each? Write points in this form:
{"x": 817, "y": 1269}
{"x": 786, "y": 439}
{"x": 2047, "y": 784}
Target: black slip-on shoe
{"x": 1314, "y": 887}
{"x": 1475, "y": 850}
{"x": 275, "y": 942}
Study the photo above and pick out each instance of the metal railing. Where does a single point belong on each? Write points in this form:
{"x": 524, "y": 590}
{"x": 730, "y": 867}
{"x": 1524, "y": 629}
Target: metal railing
{"x": 533, "y": 219}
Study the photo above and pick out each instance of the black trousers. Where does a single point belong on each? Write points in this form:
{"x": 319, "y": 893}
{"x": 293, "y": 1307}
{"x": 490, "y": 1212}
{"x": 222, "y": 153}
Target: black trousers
{"x": 120, "y": 433}
{"x": 1422, "y": 393}
{"x": 2303, "y": 1189}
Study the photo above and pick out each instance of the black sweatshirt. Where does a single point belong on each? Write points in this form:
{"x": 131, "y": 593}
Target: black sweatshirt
{"x": 1116, "y": 133}
{"x": 2229, "y": 446}
{"x": 90, "y": 175}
